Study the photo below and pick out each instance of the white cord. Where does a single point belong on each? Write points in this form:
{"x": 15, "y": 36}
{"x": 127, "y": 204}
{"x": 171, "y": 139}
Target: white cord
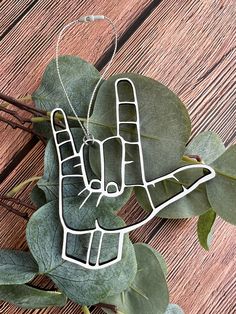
{"x": 89, "y": 18}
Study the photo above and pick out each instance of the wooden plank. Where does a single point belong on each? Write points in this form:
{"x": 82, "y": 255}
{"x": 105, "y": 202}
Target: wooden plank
{"x": 189, "y": 46}
{"x": 27, "y": 49}
{"x": 206, "y": 60}
{"x": 13, "y": 233}
{"x": 10, "y": 11}
{"x": 199, "y": 281}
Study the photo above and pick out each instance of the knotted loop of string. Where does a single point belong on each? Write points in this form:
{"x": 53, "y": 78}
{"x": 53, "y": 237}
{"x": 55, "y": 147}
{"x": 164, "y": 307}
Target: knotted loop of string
{"x": 88, "y": 136}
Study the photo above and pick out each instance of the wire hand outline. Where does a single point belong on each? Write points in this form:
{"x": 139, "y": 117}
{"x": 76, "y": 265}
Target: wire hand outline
{"x": 104, "y": 189}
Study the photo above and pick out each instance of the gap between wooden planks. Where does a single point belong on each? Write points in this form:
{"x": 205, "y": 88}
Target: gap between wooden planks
{"x": 29, "y": 46}
{"x": 211, "y": 92}
{"x": 10, "y": 12}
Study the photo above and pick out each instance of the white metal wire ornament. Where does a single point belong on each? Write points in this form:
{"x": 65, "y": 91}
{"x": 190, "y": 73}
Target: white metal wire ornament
{"x": 99, "y": 186}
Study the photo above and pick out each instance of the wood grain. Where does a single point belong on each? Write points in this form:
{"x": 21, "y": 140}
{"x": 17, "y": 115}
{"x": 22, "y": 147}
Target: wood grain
{"x": 30, "y": 45}
{"x": 189, "y": 46}
{"x": 10, "y": 11}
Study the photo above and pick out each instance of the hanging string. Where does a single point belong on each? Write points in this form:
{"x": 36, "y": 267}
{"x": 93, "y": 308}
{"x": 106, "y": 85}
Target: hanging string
{"x": 89, "y": 18}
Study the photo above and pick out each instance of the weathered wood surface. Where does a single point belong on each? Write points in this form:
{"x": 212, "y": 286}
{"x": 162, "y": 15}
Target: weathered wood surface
{"x": 187, "y": 45}
{"x": 11, "y": 13}
{"x": 30, "y": 45}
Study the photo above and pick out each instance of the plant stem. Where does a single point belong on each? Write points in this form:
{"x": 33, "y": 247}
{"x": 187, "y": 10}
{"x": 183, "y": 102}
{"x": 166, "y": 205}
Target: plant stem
{"x": 191, "y": 159}
{"x": 21, "y": 105}
{"x": 19, "y": 126}
{"x": 16, "y": 201}
{"x": 16, "y": 212}
{"x": 197, "y": 157}
{"x": 58, "y": 116}
{"x": 25, "y": 98}
{"x": 15, "y": 115}
{"x": 85, "y": 309}
{"x": 17, "y": 103}
{"x": 20, "y": 186}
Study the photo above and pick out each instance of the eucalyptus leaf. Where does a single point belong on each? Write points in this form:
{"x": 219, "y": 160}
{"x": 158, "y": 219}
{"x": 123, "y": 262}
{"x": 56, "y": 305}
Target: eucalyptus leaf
{"x": 148, "y": 292}
{"x": 204, "y": 228}
{"x": 208, "y": 145}
{"x": 44, "y": 236}
{"x": 160, "y": 258}
{"x": 31, "y": 298}
{"x": 174, "y": 309}
{"x": 193, "y": 204}
{"x": 38, "y": 197}
{"x": 79, "y": 78}
{"x": 49, "y": 183}
{"x": 164, "y": 123}
{"x": 222, "y": 189}
{"x": 16, "y": 267}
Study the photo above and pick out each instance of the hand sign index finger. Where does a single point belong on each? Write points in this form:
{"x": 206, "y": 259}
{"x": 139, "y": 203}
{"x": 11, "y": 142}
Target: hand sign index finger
{"x": 128, "y": 128}
{"x": 63, "y": 138}
{"x": 127, "y": 114}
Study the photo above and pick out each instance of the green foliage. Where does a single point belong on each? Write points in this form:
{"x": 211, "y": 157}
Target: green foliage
{"x": 79, "y": 78}
{"x": 16, "y": 267}
{"x": 38, "y": 196}
{"x": 222, "y": 190}
{"x": 148, "y": 293}
{"x": 208, "y": 145}
{"x": 44, "y": 236}
{"x": 136, "y": 284}
{"x": 174, "y": 309}
{"x": 193, "y": 204}
{"x": 31, "y": 298}
{"x": 158, "y": 107}
{"x": 204, "y": 228}
{"x": 50, "y": 184}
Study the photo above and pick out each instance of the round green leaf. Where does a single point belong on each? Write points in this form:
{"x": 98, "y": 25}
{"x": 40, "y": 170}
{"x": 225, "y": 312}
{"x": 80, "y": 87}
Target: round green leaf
{"x": 49, "y": 183}
{"x": 17, "y": 267}
{"x": 204, "y": 228}
{"x": 38, "y": 197}
{"x": 31, "y": 298}
{"x": 174, "y": 309}
{"x": 44, "y": 236}
{"x": 164, "y": 124}
{"x": 148, "y": 292}
{"x": 79, "y": 78}
{"x": 160, "y": 258}
{"x": 208, "y": 145}
{"x": 193, "y": 204}
{"x": 221, "y": 190}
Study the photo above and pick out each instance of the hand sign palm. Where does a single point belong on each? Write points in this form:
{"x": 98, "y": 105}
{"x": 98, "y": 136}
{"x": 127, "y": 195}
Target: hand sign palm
{"x": 100, "y": 186}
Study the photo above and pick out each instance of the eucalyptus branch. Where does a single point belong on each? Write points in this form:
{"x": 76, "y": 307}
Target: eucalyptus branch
{"x": 15, "y": 211}
{"x": 21, "y": 105}
{"x": 111, "y": 307}
{"x": 58, "y": 116}
{"x": 25, "y": 98}
{"x": 19, "y": 126}
{"x": 17, "y": 201}
{"x": 15, "y": 115}
{"x": 45, "y": 115}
